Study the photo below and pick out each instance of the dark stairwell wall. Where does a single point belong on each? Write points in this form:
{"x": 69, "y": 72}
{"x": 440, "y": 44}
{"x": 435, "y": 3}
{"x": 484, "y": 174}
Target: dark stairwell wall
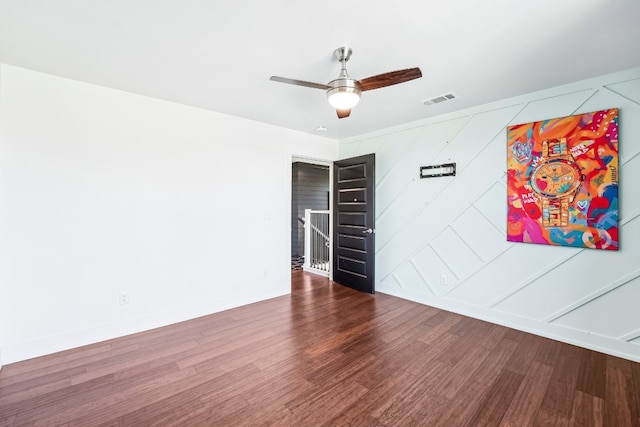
{"x": 310, "y": 190}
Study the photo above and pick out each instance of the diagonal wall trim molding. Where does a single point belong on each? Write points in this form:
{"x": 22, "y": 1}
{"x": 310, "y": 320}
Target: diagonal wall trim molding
{"x": 631, "y": 336}
{"x": 414, "y": 141}
{"x": 383, "y": 212}
{"x": 632, "y": 216}
{"x": 529, "y": 280}
{"x": 593, "y": 93}
{"x": 395, "y": 279}
{"x": 488, "y": 262}
{"x": 453, "y": 230}
{"x": 380, "y": 215}
{"x": 443, "y": 261}
{"x": 593, "y": 296}
{"x": 608, "y": 88}
{"x": 496, "y": 226}
{"x": 424, "y": 279}
{"x": 485, "y": 265}
{"x": 460, "y": 171}
{"x": 548, "y": 269}
{"x": 630, "y": 158}
{"x": 418, "y": 212}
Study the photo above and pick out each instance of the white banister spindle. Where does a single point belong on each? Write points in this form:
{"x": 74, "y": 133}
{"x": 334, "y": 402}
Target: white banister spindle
{"x": 307, "y": 239}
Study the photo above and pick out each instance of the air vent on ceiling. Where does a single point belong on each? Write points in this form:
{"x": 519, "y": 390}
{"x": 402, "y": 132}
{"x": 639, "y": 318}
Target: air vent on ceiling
{"x": 439, "y": 99}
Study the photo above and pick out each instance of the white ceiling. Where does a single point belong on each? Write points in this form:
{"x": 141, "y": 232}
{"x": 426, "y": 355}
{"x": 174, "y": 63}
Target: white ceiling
{"x": 219, "y": 54}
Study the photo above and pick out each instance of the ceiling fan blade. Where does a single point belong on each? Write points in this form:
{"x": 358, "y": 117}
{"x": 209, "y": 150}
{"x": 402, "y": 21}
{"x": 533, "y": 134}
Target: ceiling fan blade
{"x": 391, "y": 78}
{"x": 298, "y": 82}
{"x": 343, "y": 113}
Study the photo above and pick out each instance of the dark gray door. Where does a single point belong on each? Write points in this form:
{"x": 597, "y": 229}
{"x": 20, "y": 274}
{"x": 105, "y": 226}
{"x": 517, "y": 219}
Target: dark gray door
{"x": 354, "y": 222}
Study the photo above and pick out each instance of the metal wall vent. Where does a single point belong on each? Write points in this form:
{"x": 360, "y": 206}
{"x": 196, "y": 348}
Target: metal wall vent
{"x": 439, "y": 99}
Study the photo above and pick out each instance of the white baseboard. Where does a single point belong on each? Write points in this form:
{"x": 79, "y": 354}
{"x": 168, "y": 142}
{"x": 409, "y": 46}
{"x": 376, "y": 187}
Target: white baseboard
{"x": 316, "y": 271}
{"x": 27, "y": 350}
{"x": 603, "y": 344}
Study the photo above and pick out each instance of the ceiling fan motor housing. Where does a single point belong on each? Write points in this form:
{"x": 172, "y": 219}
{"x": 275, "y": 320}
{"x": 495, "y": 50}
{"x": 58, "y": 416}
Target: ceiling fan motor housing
{"x": 343, "y": 93}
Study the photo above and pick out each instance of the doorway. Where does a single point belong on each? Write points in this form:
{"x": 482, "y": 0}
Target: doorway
{"x": 310, "y": 189}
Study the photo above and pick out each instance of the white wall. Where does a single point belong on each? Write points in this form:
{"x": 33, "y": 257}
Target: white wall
{"x": 456, "y": 225}
{"x": 103, "y": 192}
{"x": 2, "y": 296}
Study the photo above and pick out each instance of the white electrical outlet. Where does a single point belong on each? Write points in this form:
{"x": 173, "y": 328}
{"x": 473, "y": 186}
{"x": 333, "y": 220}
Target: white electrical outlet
{"x": 444, "y": 280}
{"x": 124, "y": 298}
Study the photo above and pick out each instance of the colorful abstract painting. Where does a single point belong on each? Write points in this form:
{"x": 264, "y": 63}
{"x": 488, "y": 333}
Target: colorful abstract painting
{"x": 562, "y": 181}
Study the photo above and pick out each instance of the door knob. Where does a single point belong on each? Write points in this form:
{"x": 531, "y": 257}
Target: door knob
{"x": 368, "y": 231}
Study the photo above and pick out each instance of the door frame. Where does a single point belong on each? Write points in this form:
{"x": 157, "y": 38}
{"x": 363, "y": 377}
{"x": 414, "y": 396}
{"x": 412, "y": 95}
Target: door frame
{"x": 314, "y": 161}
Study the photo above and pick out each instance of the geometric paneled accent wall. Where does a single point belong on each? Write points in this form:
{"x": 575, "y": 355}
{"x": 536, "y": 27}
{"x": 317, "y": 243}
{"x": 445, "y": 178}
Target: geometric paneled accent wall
{"x": 442, "y": 241}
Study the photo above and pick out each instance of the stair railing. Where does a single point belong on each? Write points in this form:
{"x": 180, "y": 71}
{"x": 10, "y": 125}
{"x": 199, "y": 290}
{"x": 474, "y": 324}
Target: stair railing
{"x": 317, "y": 242}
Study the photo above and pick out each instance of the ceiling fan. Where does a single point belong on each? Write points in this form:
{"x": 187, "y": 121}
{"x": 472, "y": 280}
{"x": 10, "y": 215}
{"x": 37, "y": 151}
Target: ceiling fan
{"x": 344, "y": 92}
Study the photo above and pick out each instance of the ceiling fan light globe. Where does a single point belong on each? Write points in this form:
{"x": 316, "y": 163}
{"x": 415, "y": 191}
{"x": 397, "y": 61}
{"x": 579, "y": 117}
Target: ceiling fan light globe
{"x": 343, "y": 98}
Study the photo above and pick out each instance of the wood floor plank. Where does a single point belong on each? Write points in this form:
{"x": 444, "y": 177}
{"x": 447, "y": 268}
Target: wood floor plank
{"x": 380, "y": 395}
{"x": 525, "y": 354}
{"x": 557, "y": 405}
{"x": 592, "y": 374}
{"x": 339, "y": 370}
{"x": 548, "y": 352}
{"x": 588, "y": 410}
{"x": 494, "y": 336}
{"x": 189, "y": 390}
{"x": 53, "y": 363}
{"x": 413, "y": 403}
{"x": 440, "y": 324}
{"x": 7, "y": 420}
{"x": 495, "y": 362}
{"x": 495, "y": 403}
{"x": 635, "y": 375}
{"x": 203, "y": 405}
{"x": 619, "y": 407}
{"x": 424, "y": 410}
{"x": 414, "y": 318}
{"x": 277, "y": 387}
{"x": 325, "y": 402}
{"x": 462, "y": 371}
{"x": 527, "y": 400}
{"x": 37, "y": 385}
{"x": 429, "y": 353}
{"x": 461, "y": 408}
{"x": 462, "y": 346}
{"x": 94, "y": 395}
{"x": 260, "y": 417}
{"x": 121, "y": 364}
{"x": 325, "y": 355}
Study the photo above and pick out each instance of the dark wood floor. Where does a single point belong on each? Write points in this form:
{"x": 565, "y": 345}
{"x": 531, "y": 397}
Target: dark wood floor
{"x": 326, "y": 355}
